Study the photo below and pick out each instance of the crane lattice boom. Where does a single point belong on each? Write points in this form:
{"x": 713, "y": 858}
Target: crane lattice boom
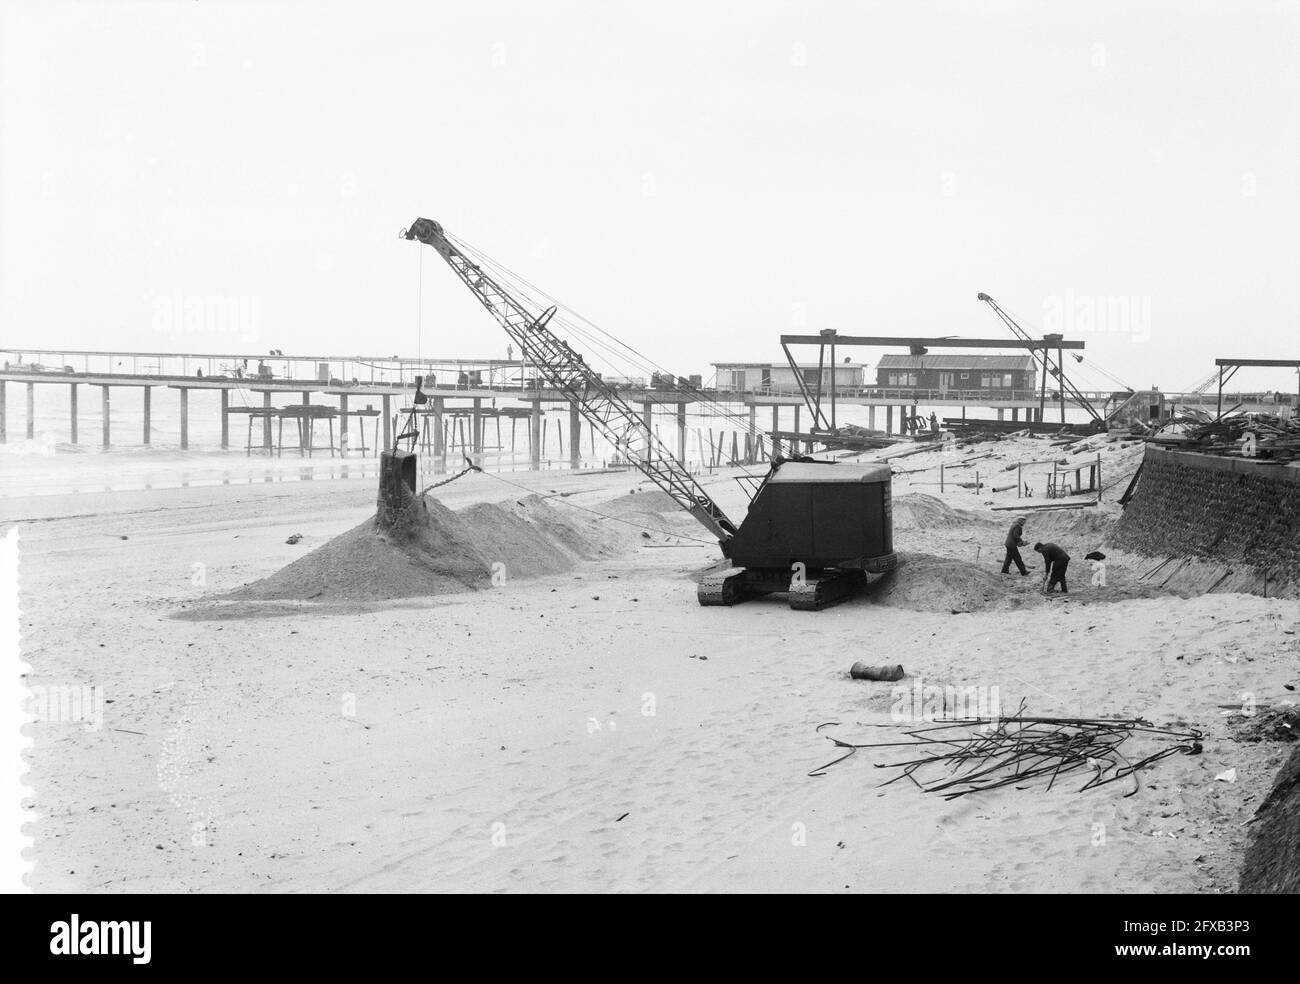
{"x": 565, "y": 370}
{"x": 1040, "y": 354}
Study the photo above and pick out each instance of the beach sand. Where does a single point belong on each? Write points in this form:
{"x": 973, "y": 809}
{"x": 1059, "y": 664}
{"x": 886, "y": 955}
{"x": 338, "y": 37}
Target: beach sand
{"x": 595, "y": 729}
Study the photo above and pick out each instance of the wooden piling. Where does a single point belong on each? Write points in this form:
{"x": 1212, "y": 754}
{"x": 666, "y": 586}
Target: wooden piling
{"x": 31, "y": 411}
{"x": 575, "y": 437}
{"x": 343, "y": 425}
{"x": 751, "y": 439}
{"x": 476, "y": 428}
{"x": 185, "y": 418}
{"x": 147, "y": 434}
{"x": 681, "y": 432}
{"x": 535, "y": 436}
{"x": 439, "y": 438}
{"x": 72, "y": 411}
{"x": 645, "y": 427}
{"x": 104, "y": 407}
{"x": 225, "y": 419}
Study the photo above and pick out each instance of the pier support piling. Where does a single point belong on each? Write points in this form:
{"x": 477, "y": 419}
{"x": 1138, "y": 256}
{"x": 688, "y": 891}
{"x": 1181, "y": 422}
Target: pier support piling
{"x": 575, "y": 438}
{"x": 225, "y": 419}
{"x": 185, "y": 418}
{"x": 751, "y": 439}
{"x": 681, "y": 433}
{"x": 476, "y": 430}
{"x": 645, "y": 427}
{"x": 148, "y": 415}
{"x": 343, "y": 425}
{"x": 535, "y": 436}
{"x": 439, "y": 438}
{"x": 104, "y": 404}
{"x": 31, "y": 410}
{"x": 72, "y": 412}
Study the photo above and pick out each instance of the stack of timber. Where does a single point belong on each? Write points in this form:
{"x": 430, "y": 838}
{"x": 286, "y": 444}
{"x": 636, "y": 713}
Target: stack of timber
{"x": 1250, "y": 435}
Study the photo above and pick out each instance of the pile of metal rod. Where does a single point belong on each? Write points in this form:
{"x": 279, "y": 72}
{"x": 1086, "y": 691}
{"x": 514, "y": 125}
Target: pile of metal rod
{"x": 973, "y": 755}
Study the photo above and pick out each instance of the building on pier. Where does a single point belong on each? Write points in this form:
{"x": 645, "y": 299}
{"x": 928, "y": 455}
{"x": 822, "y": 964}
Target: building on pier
{"x": 995, "y": 374}
{"x": 768, "y": 377}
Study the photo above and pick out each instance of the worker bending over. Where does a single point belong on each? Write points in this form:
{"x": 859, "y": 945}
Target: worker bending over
{"x": 1057, "y": 561}
{"x": 1015, "y": 540}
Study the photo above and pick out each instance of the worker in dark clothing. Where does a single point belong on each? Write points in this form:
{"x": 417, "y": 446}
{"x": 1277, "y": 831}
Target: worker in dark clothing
{"x": 1057, "y": 560}
{"x": 1014, "y": 542}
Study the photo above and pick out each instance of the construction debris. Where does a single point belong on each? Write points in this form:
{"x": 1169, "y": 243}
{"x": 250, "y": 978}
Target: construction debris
{"x": 1250, "y": 435}
{"x": 979, "y": 754}
{"x": 861, "y": 671}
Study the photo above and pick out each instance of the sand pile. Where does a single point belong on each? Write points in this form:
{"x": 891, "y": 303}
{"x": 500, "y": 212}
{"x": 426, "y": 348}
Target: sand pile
{"x": 925, "y": 583}
{"x": 1085, "y": 529}
{"x": 916, "y": 510}
{"x": 640, "y": 502}
{"x": 433, "y": 550}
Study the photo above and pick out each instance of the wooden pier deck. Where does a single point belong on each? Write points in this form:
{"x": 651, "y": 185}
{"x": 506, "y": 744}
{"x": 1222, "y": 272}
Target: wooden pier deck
{"x": 464, "y": 395}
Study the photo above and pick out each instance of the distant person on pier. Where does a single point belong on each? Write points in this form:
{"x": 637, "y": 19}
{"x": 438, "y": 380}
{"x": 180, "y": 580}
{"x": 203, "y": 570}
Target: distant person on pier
{"x": 1057, "y": 560}
{"x": 1015, "y": 540}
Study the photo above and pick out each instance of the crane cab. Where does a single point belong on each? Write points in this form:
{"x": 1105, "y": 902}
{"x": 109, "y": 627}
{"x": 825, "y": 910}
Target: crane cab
{"x": 814, "y": 529}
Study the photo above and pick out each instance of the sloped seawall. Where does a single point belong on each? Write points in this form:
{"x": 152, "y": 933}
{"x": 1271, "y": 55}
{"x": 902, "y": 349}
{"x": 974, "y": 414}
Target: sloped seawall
{"x": 1225, "y": 523}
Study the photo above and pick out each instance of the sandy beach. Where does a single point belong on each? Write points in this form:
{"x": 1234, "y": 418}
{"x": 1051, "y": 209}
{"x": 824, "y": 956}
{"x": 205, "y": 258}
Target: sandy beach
{"x": 594, "y": 729}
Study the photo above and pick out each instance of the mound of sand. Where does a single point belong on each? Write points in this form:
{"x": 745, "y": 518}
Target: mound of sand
{"x": 432, "y": 550}
{"x": 1085, "y": 529}
{"x": 925, "y": 583}
{"x": 640, "y": 502}
{"x": 916, "y": 510}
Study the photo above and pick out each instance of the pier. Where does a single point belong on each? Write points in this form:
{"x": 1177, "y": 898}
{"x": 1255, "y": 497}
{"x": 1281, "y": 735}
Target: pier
{"x": 361, "y": 399}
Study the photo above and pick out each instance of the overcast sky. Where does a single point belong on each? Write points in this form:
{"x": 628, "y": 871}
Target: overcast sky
{"x": 697, "y": 178}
